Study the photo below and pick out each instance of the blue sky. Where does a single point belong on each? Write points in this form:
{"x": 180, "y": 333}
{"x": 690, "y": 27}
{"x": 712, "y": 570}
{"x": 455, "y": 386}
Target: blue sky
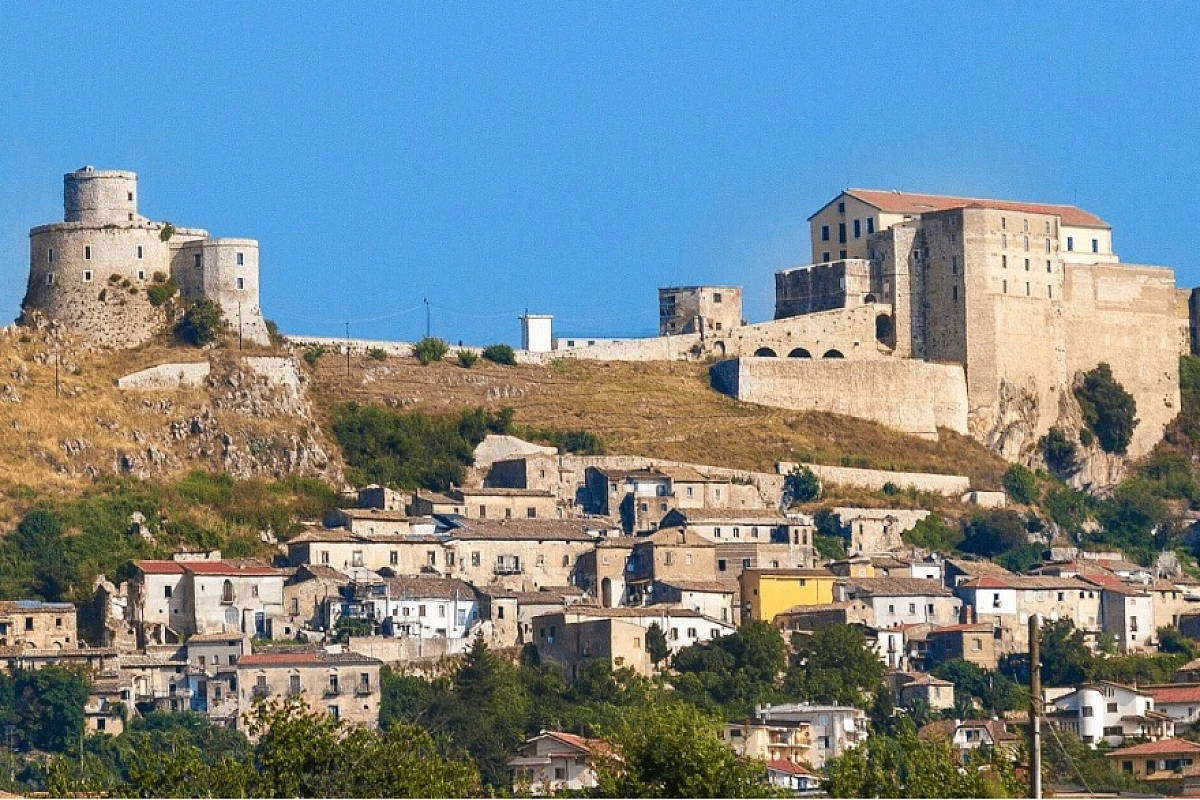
{"x": 569, "y": 158}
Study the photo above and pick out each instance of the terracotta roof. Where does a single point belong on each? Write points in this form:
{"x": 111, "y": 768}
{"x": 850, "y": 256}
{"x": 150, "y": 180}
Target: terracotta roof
{"x": 420, "y": 586}
{"x": 896, "y": 202}
{"x": 160, "y": 567}
{"x": 699, "y": 586}
{"x": 225, "y": 568}
{"x": 946, "y": 728}
{"x": 588, "y": 745}
{"x": 898, "y": 587}
{"x": 1179, "y": 693}
{"x": 972, "y": 566}
{"x": 1163, "y": 747}
{"x": 1111, "y": 583}
{"x": 986, "y": 582}
{"x": 516, "y": 528}
{"x": 965, "y": 627}
{"x": 787, "y": 767}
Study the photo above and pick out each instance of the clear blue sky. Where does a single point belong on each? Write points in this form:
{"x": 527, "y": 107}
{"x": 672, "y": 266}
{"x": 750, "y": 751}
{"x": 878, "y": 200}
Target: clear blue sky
{"x": 569, "y": 158}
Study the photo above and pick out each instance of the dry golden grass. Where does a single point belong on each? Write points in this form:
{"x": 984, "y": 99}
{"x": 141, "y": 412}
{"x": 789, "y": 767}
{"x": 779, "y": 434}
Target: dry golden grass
{"x": 659, "y": 409}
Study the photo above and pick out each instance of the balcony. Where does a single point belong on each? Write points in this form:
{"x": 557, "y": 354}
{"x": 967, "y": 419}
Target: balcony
{"x": 508, "y": 569}
{"x": 333, "y": 691}
{"x": 362, "y": 689}
{"x": 259, "y": 692}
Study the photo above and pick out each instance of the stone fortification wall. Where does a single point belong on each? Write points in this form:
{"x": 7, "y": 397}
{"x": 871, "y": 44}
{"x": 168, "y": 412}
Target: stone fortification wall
{"x": 167, "y": 376}
{"x": 1127, "y": 316}
{"x": 849, "y": 331}
{"x": 822, "y": 287}
{"x": 911, "y": 396}
{"x": 876, "y": 479}
{"x": 99, "y": 196}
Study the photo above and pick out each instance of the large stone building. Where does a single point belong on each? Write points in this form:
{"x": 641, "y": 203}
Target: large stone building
{"x": 93, "y": 271}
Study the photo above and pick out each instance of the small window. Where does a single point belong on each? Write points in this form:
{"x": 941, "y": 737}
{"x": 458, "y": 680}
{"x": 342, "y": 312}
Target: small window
{"x": 716, "y": 297}
{"x": 241, "y": 283}
{"x": 167, "y": 592}
{"x": 1003, "y": 223}
{"x": 508, "y": 513}
{"x": 87, "y": 253}
{"x": 721, "y": 565}
{"x": 1027, "y": 293}
{"x": 857, "y": 229}
{"x": 842, "y": 207}
{"x": 1048, "y": 267}
{"x": 139, "y": 251}
{"x": 1027, "y": 265}
{"x": 954, "y": 292}
{"x": 1049, "y": 291}
{"x": 394, "y": 557}
{"x": 1095, "y": 245}
{"x": 1027, "y": 243}
{"x": 1003, "y": 262}
{"x": 825, "y": 233}
{"x": 87, "y": 276}
{"x": 141, "y": 274}
{"x": 241, "y": 259}
{"x": 825, "y": 257}
{"x": 1004, "y": 240}
{"x": 50, "y": 256}
{"x": 1047, "y": 226}
{"x": 1025, "y": 225}
{"x": 1004, "y": 286}
{"x": 1048, "y": 246}
{"x": 841, "y": 233}
{"x": 198, "y": 260}
{"x": 1070, "y": 243}
{"x": 870, "y": 224}
{"x": 745, "y": 563}
{"x": 953, "y": 265}
{"x": 842, "y": 255}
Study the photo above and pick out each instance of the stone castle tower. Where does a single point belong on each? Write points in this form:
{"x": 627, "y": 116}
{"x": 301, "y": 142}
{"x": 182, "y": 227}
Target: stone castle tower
{"x": 92, "y": 271}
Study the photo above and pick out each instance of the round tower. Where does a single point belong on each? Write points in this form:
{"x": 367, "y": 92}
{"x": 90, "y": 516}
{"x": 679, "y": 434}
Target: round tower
{"x": 100, "y": 196}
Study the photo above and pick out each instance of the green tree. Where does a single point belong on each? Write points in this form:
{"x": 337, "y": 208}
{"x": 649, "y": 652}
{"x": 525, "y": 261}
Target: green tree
{"x": 202, "y": 323}
{"x": 500, "y": 354}
{"x": 933, "y": 534}
{"x": 1066, "y": 658}
{"x": 430, "y": 349}
{"x": 1171, "y": 640}
{"x": 993, "y": 692}
{"x": 991, "y": 533}
{"x": 835, "y": 665}
{"x": 800, "y": 486}
{"x": 670, "y": 749}
{"x": 731, "y": 674}
{"x": 830, "y": 537}
{"x": 1059, "y": 452}
{"x": 1108, "y": 410}
{"x": 48, "y": 704}
{"x": 656, "y": 643}
{"x": 1021, "y": 485}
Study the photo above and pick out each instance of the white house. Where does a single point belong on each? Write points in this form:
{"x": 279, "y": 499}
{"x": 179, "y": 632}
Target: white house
{"x": 1180, "y": 701}
{"x": 1110, "y": 713}
{"x": 421, "y": 606}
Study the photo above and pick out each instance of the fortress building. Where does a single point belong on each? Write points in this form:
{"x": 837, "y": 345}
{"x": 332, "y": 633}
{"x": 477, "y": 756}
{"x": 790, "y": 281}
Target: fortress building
{"x": 92, "y": 272}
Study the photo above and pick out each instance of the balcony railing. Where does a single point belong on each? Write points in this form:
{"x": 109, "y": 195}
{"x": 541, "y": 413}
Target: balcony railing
{"x": 362, "y": 689}
{"x": 260, "y": 691}
{"x": 333, "y": 691}
{"x": 508, "y": 569}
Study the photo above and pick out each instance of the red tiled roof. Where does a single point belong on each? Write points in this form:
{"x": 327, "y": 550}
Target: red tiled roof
{"x": 966, "y": 627}
{"x": 1176, "y": 694}
{"x": 787, "y": 767}
{"x": 910, "y": 203}
{"x": 266, "y": 659}
{"x": 1163, "y": 747}
{"x": 986, "y": 582}
{"x": 576, "y": 741}
{"x": 160, "y": 567}
{"x": 225, "y": 568}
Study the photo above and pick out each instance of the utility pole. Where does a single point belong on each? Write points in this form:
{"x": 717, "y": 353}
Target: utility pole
{"x": 1035, "y": 709}
{"x": 347, "y": 351}
{"x": 426, "y": 302}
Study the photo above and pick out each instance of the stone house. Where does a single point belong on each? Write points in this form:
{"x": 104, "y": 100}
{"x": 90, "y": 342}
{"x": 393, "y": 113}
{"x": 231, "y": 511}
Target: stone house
{"x": 1126, "y": 612}
{"x": 1164, "y": 760}
{"x": 157, "y": 678}
{"x": 430, "y": 504}
{"x": 208, "y": 652}
{"x": 37, "y": 625}
{"x": 737, "y": 524}
{"x": 518, "y": 554}
{"x": 1109, "y": 713}
{"x": 891, "y": 602}
{"x": 344, "y": 685}
{"x": 714, "y": 599}
{"x": 106, "y": 706}
{"x": 511, "y": 614}
{"x": 957, "y": 571}
{"x": 708, "y": 310}
{"x": 502, "y": 503}
{"x": 668, "y": 554}
{"x": 970, "y": 641}
{"x": 383, "y": 498}
{"x": 421, "y": 606}
{"x": 531, "y": 471}
{"x": 1008, "y": 601}
{"x": 641, "y": 498}
{"x": 877, "y": 530}
{"x": 919, "y": 687}
{"x": 605, "y": 570}
{"x": 307, "y": 593}
{"x": 554, "y": 762}
{"x": 170, "y": 600}
{"x": 581, "y": 634}
{"x": 381, "y": 521}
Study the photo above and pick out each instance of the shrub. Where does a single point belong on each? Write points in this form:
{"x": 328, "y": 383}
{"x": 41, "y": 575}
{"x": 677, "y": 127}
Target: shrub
{"x": 313, "y": 354}
{"x": 168, "y": 230}
{"x": 500, "y": 354}
{"x": 159, "y": 276}
{"x": 1108, "y": 410}
{"x": 891, "y": 489}
{"x": 430, "y": 349}
{"x": 201, "y": 324}
{"x": 467, "y": 358}
{"x": 932, "y": 533}
{"x": 273, "y": 332}
{"x": 377, "y": 353}
{"x": 570, "y": 441}
{"x": 1085, "y": 437}
{"x": 1021, "y": 485}
{"x": 995, "y": 532}
{"x": 161, "y": 292}
{"x": 801, "y": 486}
{"x": 1059, "y": 452}
{"x": 114, "y": 278}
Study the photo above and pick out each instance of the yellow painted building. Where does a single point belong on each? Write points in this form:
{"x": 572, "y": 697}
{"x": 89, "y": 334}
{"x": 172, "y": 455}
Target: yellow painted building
{"x": 767, "y": 592}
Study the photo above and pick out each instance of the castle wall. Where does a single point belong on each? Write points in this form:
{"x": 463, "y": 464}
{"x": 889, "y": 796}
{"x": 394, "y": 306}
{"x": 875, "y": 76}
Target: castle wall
{"x": 100, "y": 197}
{"x": 699, "y": 309}
{"x": 821, "y": 287}
{"x": 912, "y": 396}
{"x": 876, "y": 479}
{"x": 849, "y": 331}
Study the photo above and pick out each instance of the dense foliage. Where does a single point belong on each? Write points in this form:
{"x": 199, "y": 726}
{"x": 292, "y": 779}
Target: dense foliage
{"x": 201, "y": 324}
{"x": 410, "y": 449}
{"x": 1021, "y": 484}
{"x": 430, "y": 349}
{"x": 1059, "y": 453}
{"x": 1108, "y": 410}
{"x": 500, "y": 354}
{"x": 800, "y": 486}
{"x": 584, "y": 443}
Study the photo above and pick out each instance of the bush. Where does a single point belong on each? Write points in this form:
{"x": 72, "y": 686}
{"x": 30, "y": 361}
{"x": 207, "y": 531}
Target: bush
{"x": 932, "y": 533}
{"x": 891, "y": 489}
{"x": 273, "y": 333}
{"x": 995, "y": 532}
{"x": 1085, "y": 437}
{"x": 160, "y": 292}
{"x": 377, "y": 353}
{"x": 500, "y": 354}
{"x": 313, "y": 354}
{"x": 168, "y": 230}
{"x": 202, "y": 324}
{"x": 1021, "y": 485}
{"x": 467, "y": 358}
{"x": 430, "y": 349}
{"x": 1108, "y": 410}
{"x": 159, "y": 276}
{"x": 800, "y": 486}
{"x": 1059, "y": 452}
{"x": 584, "y": 443}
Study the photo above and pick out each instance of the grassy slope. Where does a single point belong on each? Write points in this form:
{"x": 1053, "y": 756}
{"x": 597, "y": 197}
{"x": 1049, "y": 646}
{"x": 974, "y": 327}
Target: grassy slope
{"x": 661, "y": 409}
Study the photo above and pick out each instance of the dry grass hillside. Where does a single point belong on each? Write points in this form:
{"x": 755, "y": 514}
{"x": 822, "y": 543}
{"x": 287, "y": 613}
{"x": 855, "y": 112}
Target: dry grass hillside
{"x": 60, "y": 441}
{"x": 660, "y": 409}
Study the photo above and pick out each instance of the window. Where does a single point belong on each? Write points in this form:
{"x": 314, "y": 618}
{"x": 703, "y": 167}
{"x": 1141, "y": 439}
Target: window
{"x": 87, "y": 276}
{"x": 1003, "y": 223}
{"x": 953, "y": 265}
{"x": 1112, "y": 708}
{"x": 139, "y": 251}
{"x": 1048, "y": 268}
{"x": 560, "y": 773}
{"x": 483, "y": 512}
{"x": 1004, "y": 240}
{"x": 716, "y": 297}
{"x": 825, "y": 256}
{"x": 716, "y": 533}
{"x": 1027, "y": 288}
{"x": 324, "y": 556}
{"x": 721, "y": 565}
{"x": 241, "y": 284}
{"x": 87, "y": 252}
{"x": 475, "y": 559}
{"x": 29, "y": 623}
{"x": 824, "y": 233}
{"x": 50, "y": 256}
{"x": 1070, "y": 243}
{"x": 356, "y": 558}
{"x": 1088, "y": 711}
{"x": 1026, "y": 243}
{"x": 669, "y": 559}
{"x": 167, "y": 592}
{"x": 1095, "y": 245}
{"x": 996, "y": 600}
{"x": 1060, "y": 597}
{"x": 976, "y": 645}
{"x": 674, "y": 634}
{"x": 1047, "y": 245}
{"x": 198, "y": 260}
{"x": 431, "y": 557}
{"x": 394, "y": 557}
{"x": 842, "y": 254}
{"x": 141, "y": 274}
{"x": 1004, "y": 286}
{"x": 870, "y": 224}
{"x": 1003, "y": 262}
{"x": 441, "y": 610}
{"x": 295, "y": 606}
{"x": 508, "y": 513}
{"x": 737, "y": 533}
{"x": 842, "y": 207}
{"x": 227, "y": 591}
{"x": 954, "y": 292}
{"x": 841, "y": 233}
{"x": 691, "y": 632}
{"x": 254, "y": 590}
{"x": 912, "y": 608}
{"x": 241, "y": 259}
{"x": 857, "y": 229}
{"x": 745, "y": 563}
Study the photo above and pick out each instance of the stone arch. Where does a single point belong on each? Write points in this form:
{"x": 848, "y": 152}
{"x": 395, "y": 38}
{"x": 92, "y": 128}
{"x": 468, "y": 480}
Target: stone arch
{"x": 869, "y": 298}
{"x": 765, "y": 352}
{"x": 719, "y": 349}
{"x": 833, "y": 354}
{"x": 799, "y": 352}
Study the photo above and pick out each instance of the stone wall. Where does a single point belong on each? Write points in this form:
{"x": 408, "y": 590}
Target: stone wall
{"x": 167, "y": 376}
{"x": 876, "y": 479}
{"x": 821, "y": 287}
{"x": 911, "y": 396}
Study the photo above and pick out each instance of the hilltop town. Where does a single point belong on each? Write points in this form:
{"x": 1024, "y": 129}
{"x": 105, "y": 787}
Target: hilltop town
{"x": 828, "y": 531}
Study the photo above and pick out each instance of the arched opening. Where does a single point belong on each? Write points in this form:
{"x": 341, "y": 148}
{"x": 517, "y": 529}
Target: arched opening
{"x": 885, "y": 330}
{"x": 606, "y": 598}
{"x": 719, "y": 349}
{"x": 227, "y": 592}
{"x": 869, "y": 298}
{"x": 833, "y": 354}
{"x": 765, "y": 352}
{"x": 799, "y": 352}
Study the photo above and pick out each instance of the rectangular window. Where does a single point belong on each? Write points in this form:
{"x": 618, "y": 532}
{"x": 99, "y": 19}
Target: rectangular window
{"x": 1047, "y": 245}
{"x": 721, "y": 565}
{"x": 842, "y": 207}
{"x": 1026, "y": 243}
{"x": 1070, "y": 243}
{"x": 241, "y": 283}
{"x": 87, "y": 276}
{"x": 745, "y": 563}
{"x": 1003, "y": 262}
{"x": 1048, "y": 267}
{"x": 1027, "y": 294}
{"x": 824, "y": 233}
{"x": 870, "y": 224}
{"x": 394, "y": 557}
{"x": 87, "y": 252}
{"x": 825, "y": 257}
{"x": 483, "y": 512}
{"x": 1027, "y": 265}
{"x": 857, "y": 229}
{"x": 140, "y": 252}
{"x": 1095, "y": 245}
{"x": 716, "y": 297}
{"x": 531, "y": 512}
{"x": 50, "y": 256}
{"x": 198, "y": 260}
{"x": 1004, "y": 286}
{"x": 841, "y": 233}
{"x": 1088, "y": 711}
{"x": 1112, "y": 708}
{"x": 1004, "y": 240}
{"x": 240, "y": 259}
{"x": 953, "y": 265}
{"x": 1049, "y": 291}
{"x": 475, "y": 559}
{"x": 167, "y": 592}
{"x": 508, "y": 513}
{"x": 1025, "y": 225}
{"x": 1003, "y": 223}
{"x": 1047, "y": 226}
{"x": 141, "y": 274}
{"x": 356, "y": 558}
{"x": 954, "y": 292}
{"x": 431, "y": 558}
{"x": 842, "y": 254}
